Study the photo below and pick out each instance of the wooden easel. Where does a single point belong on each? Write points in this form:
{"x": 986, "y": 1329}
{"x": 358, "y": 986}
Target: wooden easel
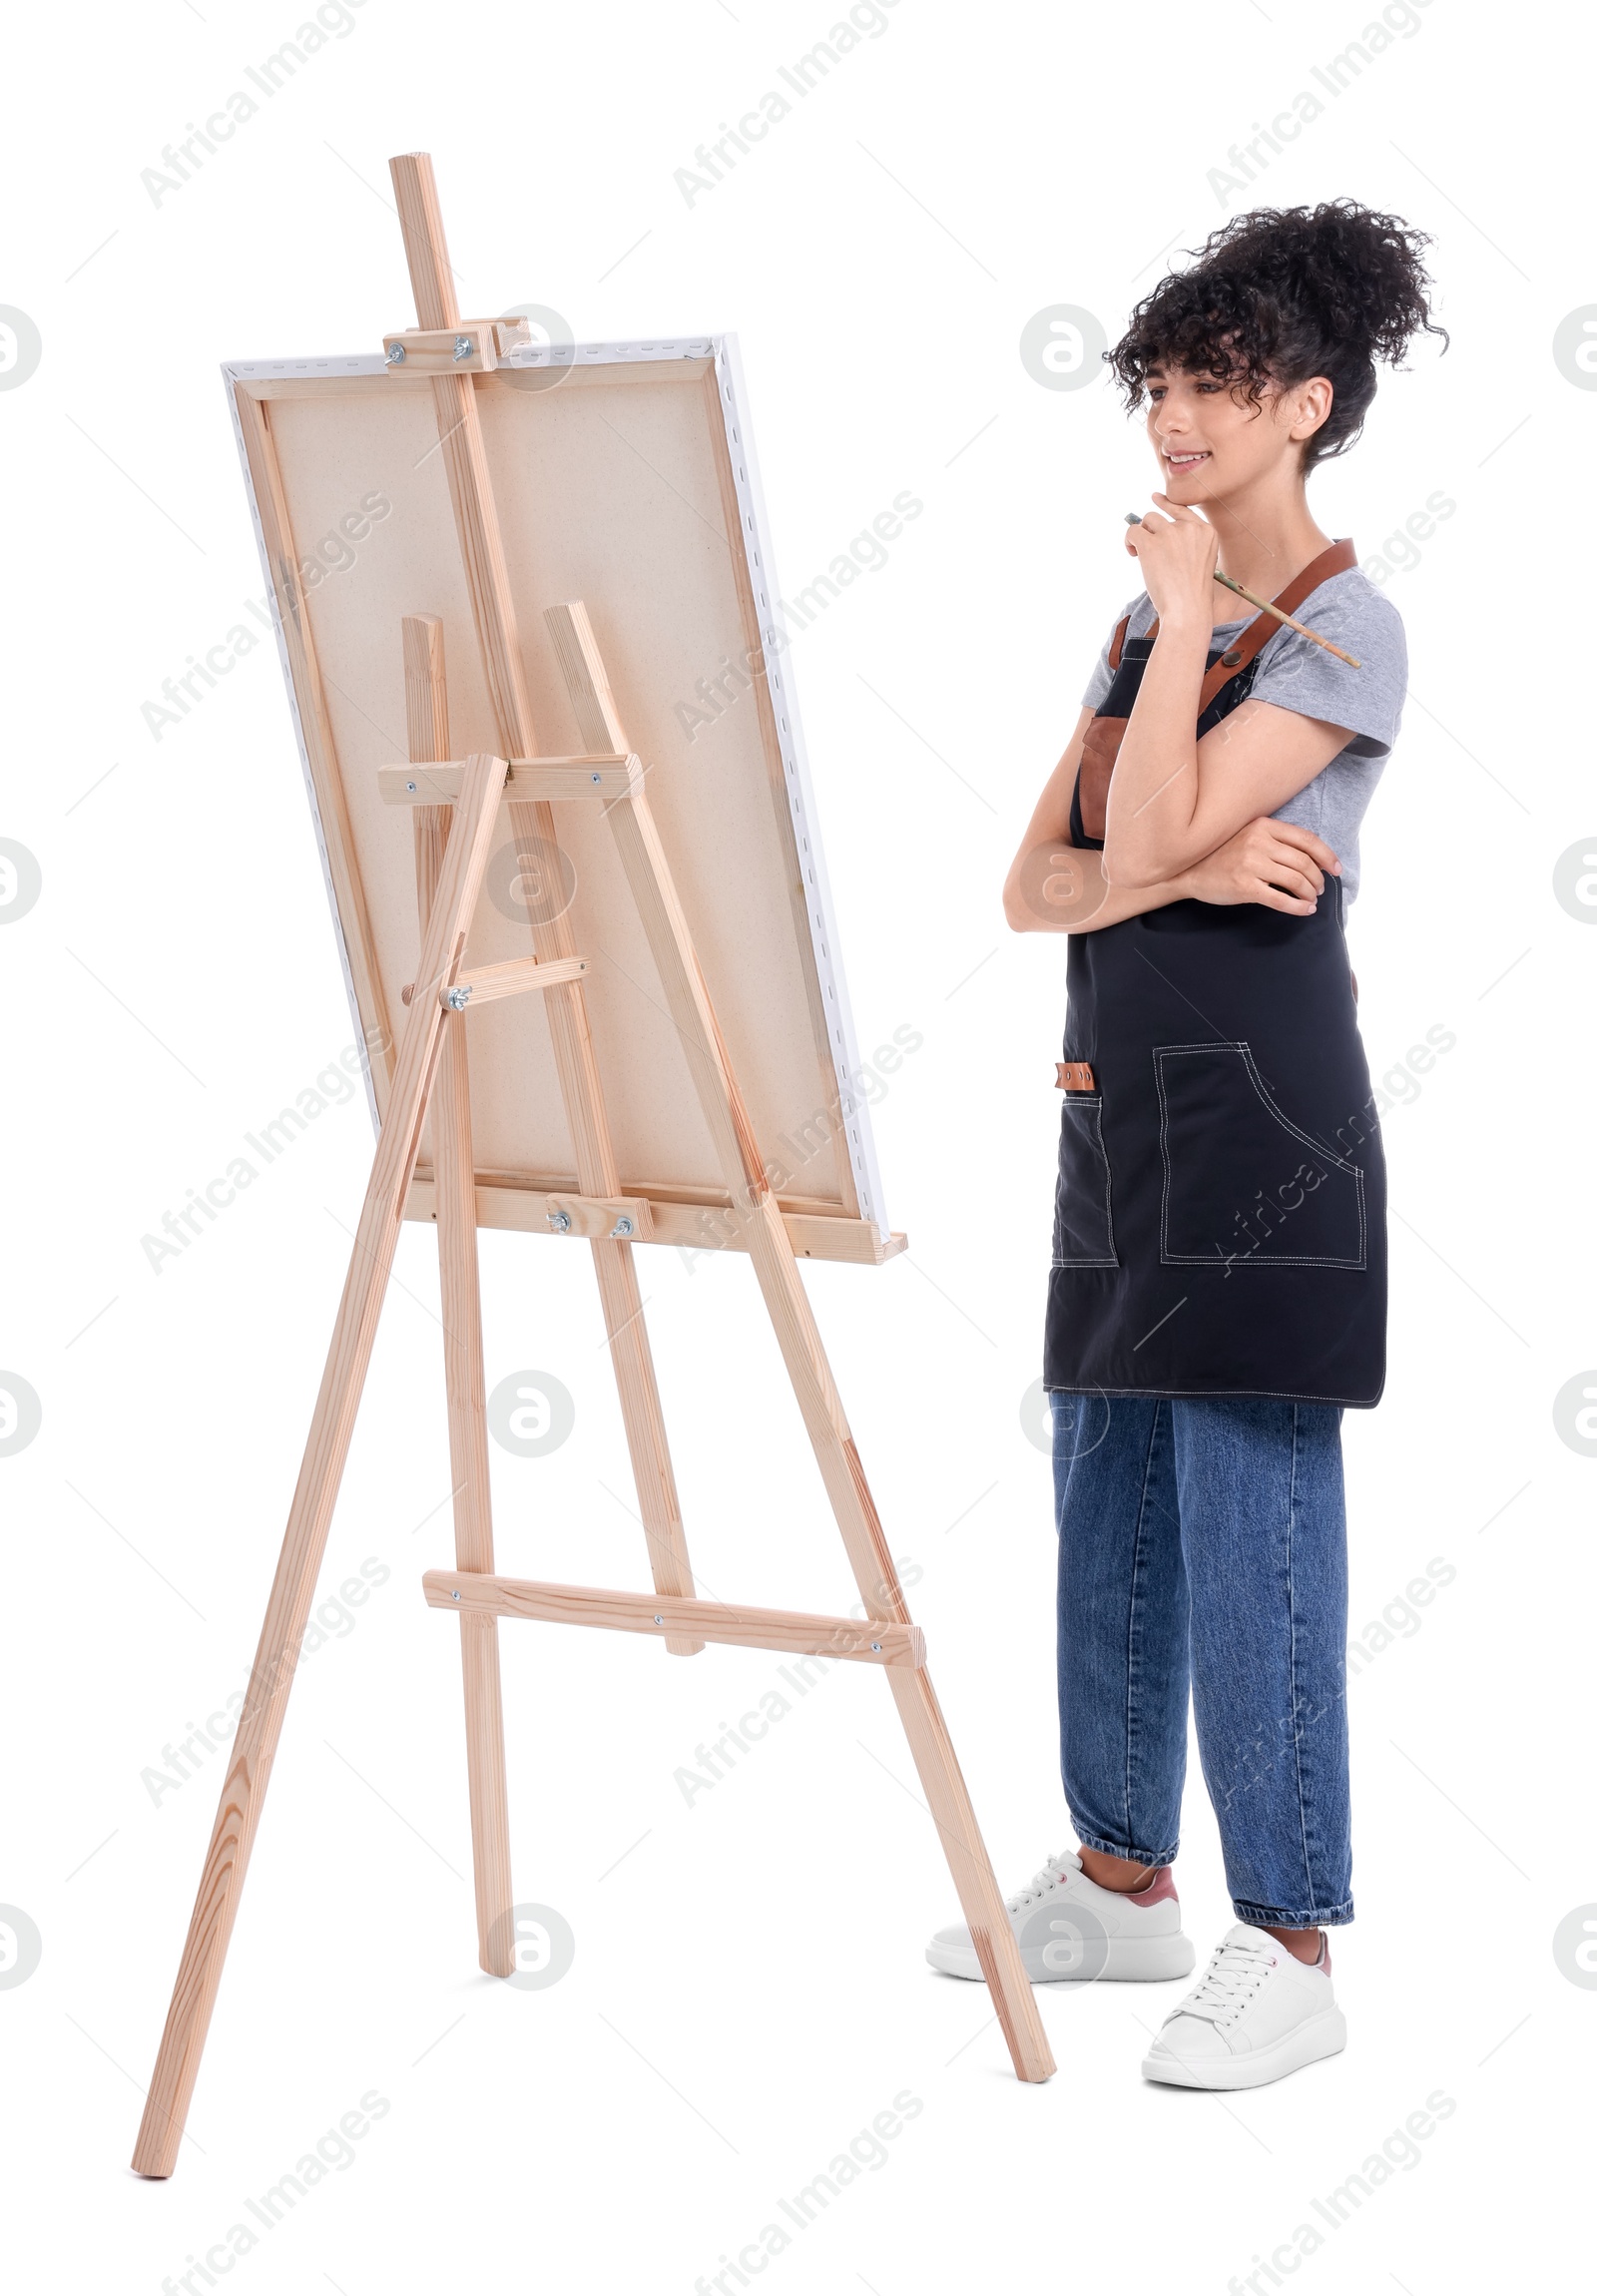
{"x": 455, "y": 806}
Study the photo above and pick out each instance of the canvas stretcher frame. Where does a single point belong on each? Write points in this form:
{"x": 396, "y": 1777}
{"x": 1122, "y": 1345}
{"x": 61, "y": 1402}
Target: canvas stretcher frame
{"x": 833, "y": 1200}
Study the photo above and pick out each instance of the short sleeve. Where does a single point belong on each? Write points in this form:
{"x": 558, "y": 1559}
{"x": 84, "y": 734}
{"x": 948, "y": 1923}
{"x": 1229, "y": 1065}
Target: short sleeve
{"x": 1103, "y": 676}
{"x": 1296, "y": 674}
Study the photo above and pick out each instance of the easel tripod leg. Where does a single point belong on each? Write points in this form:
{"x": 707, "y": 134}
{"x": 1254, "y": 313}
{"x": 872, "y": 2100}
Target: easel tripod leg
{"x": 454, "y": 1175}
{"x": 929, "y": 1742}
{"x": 980, "y": 1900}
{"x": 632, "y": 1363}
{"x": 617, "y": 1274}
{"x": 911, "y": 1688}
{"x": 311, "y": 1515}
{"x": 468, "y": 1457}
{"x": 793, "y": 1320}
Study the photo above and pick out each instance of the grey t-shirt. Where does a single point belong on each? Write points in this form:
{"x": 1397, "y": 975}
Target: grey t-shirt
{"x": 1296, "y": 674}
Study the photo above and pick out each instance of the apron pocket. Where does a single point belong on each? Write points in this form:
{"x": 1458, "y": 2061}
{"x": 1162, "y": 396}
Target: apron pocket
{"x": 1084, "y": 1235}
{"x": 1244, "y": 1186}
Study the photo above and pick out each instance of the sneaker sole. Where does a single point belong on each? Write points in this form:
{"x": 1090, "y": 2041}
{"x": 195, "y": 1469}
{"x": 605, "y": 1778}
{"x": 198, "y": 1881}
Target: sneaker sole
{"x": 1134, "y": 1961}
{"x": 1323, "y": 2035}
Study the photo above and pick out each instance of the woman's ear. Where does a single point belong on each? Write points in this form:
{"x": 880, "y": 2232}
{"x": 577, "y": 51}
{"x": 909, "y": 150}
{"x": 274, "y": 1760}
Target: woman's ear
{"x": 1313, "y": 405}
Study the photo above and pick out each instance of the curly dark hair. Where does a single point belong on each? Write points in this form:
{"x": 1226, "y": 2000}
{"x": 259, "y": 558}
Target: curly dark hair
{"x": 1282, "y": 293}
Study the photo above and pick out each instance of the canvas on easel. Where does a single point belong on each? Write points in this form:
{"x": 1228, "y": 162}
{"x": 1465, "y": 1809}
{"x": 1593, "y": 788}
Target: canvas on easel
{"x": 597, "y": 960}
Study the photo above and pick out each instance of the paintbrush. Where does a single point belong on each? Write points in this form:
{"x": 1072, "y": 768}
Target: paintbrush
{"x": 1134, "y": 518}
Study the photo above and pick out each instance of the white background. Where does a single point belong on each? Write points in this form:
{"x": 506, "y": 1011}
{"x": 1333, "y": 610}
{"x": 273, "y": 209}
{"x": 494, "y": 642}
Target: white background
{"x": 748, "y": 1991}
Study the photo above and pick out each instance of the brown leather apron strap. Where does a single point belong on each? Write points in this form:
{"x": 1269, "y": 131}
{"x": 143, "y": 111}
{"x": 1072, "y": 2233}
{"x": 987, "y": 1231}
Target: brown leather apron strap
{"x": 1339, "y": 559}
{"x": 1336, "y": 560}
{"x": 1102, "y": 740}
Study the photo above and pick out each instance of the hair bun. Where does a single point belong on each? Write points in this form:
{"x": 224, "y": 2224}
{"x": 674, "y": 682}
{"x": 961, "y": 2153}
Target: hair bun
{"x": 1360, "y": 269}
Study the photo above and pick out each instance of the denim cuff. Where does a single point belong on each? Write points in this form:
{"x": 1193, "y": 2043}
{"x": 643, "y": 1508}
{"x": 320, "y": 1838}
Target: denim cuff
{"x": 1292, "y": 1916}
{"x": 1091, "y": 1841}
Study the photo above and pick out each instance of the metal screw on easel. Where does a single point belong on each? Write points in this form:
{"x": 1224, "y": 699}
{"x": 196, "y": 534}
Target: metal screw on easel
{"x": 623, "y": 1226}
{"x": 464, "y": 346}
{"x": 397, "y": 355}
{"x": 560, "y": 1222}
{"x": 457, "y": 998}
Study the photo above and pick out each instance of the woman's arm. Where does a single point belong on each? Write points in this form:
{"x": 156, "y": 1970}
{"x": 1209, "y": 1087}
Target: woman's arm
{"x": 1053, "y": 887}
{"x": 1173, "y": 798}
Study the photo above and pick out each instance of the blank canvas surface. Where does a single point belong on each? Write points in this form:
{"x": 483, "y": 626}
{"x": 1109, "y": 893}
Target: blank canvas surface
{"x": 625, "y": 485}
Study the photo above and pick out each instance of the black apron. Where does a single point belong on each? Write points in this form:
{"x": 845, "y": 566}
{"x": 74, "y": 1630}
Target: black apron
{"x": 1219, "y": 1222}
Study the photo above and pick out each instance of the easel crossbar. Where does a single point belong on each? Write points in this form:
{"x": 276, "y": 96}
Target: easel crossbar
{"x": 872, "y": 1641}
{"x": 608, "y": 775}
{"x": 513, "y": 978}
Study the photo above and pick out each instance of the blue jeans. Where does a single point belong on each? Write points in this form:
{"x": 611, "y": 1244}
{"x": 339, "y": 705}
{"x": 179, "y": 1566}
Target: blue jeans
{"x": 1202, "y": 1546}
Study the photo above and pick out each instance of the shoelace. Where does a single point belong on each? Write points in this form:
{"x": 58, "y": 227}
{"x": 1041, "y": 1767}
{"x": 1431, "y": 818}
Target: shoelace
{"x": 1048, "y": 1876}
{"x": 1234, "y": 1968}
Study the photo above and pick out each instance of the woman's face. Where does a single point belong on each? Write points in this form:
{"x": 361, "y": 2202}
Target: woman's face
{"x": 1214, "y": 444}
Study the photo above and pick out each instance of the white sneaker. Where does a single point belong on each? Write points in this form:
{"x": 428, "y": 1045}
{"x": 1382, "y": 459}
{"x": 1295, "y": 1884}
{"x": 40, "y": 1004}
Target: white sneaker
{"x": 1257, "y": 2013}
{"x": 1068, "y": 1929}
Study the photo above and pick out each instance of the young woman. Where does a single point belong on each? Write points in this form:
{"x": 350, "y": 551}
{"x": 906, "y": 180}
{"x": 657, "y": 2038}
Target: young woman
{"x": 1218, "y": 1294}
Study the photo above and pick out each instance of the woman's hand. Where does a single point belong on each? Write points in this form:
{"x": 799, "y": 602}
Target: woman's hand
{"x": 1276, "y": 863}
{"x": 1177, "y": 555}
